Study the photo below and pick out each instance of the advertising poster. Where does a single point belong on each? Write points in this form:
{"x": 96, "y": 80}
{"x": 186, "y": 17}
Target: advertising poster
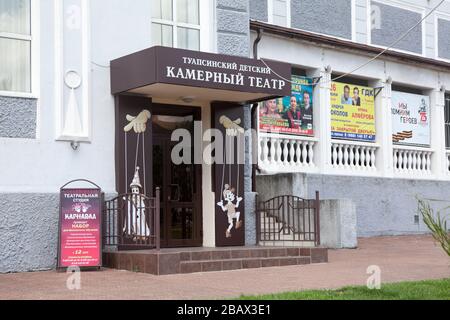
{"x": 410, "y": 119}
{"x": 290, "y": 115}
{"x": 80, "y": 228}
{"x": 352, "y": 112}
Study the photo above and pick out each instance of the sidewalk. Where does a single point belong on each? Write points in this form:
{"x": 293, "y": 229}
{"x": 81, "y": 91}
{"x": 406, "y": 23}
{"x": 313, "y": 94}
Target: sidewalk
{"x": 407, "y": 258}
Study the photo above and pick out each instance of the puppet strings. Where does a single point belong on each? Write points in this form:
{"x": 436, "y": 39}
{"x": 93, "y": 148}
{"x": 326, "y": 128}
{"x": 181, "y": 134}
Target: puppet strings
{"x": 238, "y": 164}
{"x": 228, "y": 150}
{"x": 223, "y": 168}
{"x": 137, "y": 151}
{"x": 144, "y": 164}
{"x": 126, "y": 162}
{"x": 230, "y": 160}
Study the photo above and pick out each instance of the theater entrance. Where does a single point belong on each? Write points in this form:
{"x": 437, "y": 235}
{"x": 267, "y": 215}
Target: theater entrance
{"x": 180, "y": 184}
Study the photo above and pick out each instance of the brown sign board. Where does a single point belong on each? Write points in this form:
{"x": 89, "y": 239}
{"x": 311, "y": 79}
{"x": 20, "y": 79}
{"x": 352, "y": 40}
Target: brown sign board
{"x": 163, "y": 65}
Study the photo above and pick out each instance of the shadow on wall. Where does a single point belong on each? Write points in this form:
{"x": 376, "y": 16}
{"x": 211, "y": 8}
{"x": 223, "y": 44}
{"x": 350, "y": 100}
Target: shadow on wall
{"x": 384, "y": 207}
{"x": 338, "y": 218}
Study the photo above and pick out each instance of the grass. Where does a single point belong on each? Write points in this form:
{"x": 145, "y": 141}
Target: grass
{"x": 423, "y": 290}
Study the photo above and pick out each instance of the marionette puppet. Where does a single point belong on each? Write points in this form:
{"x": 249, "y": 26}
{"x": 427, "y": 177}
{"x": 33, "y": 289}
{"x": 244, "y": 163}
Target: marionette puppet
{"x": 230, "y": 209}
{"x": 136, "y": 225}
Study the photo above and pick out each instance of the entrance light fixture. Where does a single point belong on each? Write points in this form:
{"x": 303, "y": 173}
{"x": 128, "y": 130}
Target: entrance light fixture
{"x": 188, "y": 99}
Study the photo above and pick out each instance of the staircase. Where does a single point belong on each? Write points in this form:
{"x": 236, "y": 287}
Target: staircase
{"x": 175, "y": 261}
{"x": 278, "y": 234}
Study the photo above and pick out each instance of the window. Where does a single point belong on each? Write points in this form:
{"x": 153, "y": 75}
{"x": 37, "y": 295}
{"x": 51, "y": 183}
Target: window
{"x": 176, "y": 23}
{"x": 15, "y": 45}
{"x": 280, "y": 12}
{"x": 447, "y": 120}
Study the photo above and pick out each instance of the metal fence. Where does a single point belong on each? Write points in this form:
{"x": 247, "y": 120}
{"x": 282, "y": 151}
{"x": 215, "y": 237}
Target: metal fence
{"x": 132, "y": 222}
{"x": 289, "y": 218}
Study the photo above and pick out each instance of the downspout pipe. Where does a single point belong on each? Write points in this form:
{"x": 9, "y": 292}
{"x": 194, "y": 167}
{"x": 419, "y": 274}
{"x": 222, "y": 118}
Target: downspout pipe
{"x": 254, "y": 109}
{"x": 256, "y": 42}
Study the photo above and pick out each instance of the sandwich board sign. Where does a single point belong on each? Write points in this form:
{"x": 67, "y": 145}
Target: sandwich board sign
{"x": 80, "y": 226}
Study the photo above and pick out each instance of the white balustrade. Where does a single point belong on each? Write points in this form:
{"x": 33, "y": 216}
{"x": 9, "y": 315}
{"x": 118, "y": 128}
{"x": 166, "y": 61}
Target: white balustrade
{"x": 409, "y": 160}
{"x": 353, "y": 156}
{"x": 282, "y": 153}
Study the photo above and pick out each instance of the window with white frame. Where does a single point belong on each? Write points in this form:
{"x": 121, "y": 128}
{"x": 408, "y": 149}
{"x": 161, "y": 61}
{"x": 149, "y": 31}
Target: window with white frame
{"x": 279, "y": 12}
{"x": 15, "y": 45}
{"x": 176, "y": 23}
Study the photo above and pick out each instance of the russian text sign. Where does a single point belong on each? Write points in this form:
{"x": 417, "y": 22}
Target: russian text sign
{"x": 410, "y": 119}
{"x": 80, "y": 228}
{"x": 352, "y": 112}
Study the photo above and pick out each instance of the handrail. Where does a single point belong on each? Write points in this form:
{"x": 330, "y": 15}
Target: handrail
{"x": 356, "y": 143}
{"x": 412, "y": 148}
{"x": 286, "y": 136}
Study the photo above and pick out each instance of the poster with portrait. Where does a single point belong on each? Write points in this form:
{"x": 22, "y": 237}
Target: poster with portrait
{"x": 290, "y": 115}
{"x": 352, "y": 112}
{"x": 410, "y": 119}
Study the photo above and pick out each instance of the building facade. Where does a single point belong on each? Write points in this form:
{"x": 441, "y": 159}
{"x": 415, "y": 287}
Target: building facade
{"x": 59, "y": 107}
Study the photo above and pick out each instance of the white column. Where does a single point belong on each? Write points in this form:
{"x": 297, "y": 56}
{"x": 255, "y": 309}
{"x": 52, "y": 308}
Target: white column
{"x": 438, "y": 160}
{"x": 208, "y": 196}
{"x": 322, "y": 120}
{"x": 383, "y": 123}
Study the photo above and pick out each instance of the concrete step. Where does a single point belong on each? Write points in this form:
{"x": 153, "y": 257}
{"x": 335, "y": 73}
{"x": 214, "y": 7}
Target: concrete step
{"x": 230, "y": 254}
{"x": 237, "y": 264}
{"x": 173, "y": 261}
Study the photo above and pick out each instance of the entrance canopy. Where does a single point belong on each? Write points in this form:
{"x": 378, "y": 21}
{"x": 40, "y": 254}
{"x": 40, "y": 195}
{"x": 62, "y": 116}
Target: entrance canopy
{"x": 175, "y": 73}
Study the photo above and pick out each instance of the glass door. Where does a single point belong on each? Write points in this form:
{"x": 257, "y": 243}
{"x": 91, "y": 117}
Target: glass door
{"x": 181, "y": 212}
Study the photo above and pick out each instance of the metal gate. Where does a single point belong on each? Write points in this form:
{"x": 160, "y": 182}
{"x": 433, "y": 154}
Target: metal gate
{"x": 288, "y": 219}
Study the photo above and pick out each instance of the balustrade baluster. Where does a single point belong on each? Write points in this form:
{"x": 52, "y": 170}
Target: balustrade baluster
{"x": 346, "y": 156}
{"x": 292, "y": 152}
{"x": 299, "y": 152}
{"x": 279, "y": 152}
{"x": 285, "y": 152}
{"x": 357, "y": 157}
{"x": 305, "y": 155}
{"x": 352, "y": 157}
{"x": 273, "y": 158}
{"x": 363, "y": 157}
{"x": 395, "y": 160}
{"x": 374, "y": 159}
{"x": 311, "y": 154}
{"x": 335, "y": 154}
{"x": 340, "y": 155}
{"x": 266, "y": 150}
{"x": 400, "y": 160}
{"x": 414, "y": 161}
{"x": 410, "y": 155}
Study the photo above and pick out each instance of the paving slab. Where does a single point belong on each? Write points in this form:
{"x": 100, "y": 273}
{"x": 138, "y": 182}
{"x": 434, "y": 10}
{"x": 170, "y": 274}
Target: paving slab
{"x": 406, "y": 258}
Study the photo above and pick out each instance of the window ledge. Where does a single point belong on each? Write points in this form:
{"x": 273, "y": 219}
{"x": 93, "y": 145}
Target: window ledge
{"x": 11, "y": 94}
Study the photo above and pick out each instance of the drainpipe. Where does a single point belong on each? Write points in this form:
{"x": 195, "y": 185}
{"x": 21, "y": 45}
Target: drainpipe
{"x": 254, "y": 109}
{"x": 256, "y": 42}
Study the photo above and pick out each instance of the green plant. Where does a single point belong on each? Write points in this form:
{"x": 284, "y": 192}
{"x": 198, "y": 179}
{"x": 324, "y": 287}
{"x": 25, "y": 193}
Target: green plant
{"x": 436, "y": 223}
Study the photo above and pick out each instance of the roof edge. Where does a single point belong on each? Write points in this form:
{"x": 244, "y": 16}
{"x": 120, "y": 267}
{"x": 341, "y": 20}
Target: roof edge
{"x": 344, "y": 44}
